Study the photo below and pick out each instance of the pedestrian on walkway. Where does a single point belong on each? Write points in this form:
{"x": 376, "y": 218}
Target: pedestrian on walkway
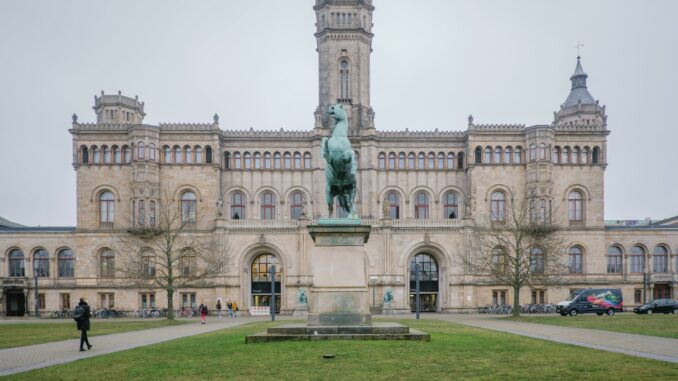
{"x": 81, "y": 315}
{"x": 229, "y": 306}
{"x": 203, "y": 311}
{"x": 219, "y": 307}
{"x": 235, "y": 309}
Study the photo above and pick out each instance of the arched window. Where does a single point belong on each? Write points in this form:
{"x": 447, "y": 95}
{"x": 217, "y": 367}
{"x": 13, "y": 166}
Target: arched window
{"x": 575, "y": 155}
{"x": 499, "y": 259}
{"x": 421, "y": 206}
{"x": 460, "y": 160}
{"x": 41, "y": 263}
{"x": 595, "y": 156}
{"x": 127, "y": 154}
{"x": 140, "y": 150}
{"x": 637, "y": 259}
{"x": 288, "y": 160}
{"x": 296, "y": 205}
{"x": 238, "y": 206}
{"x": 107, "y": 154}
{"x": 393, "y": 200}
{"x": 392, "y": 161}
{"x": 237, "y": 160}
{"x": 507, "y": 155}
{"x": 208, "y": 154}
{"x": 267, "y": 160}
{"x": 17, "y": 266}
{"x": 575, "y": 208}
{"x": 498, "y": 206}
{"x": 106, "y": 208}
{"x": 177, "y": 155}
{"x": 96, "y": 155}
{"x": 497, "y": 155}
{"x": 151, "y": 151}
{"x": 479, "y": 155}
{"x": 227, "y": 160}
{"x": 66, "y": 263}
{"x": 585, "y": 155}
{"x": 614, "y": 260}
{"x": 450, "y": 160}
{"x": 261, "y": 281}
{"x": 107, "y": 263}
{"x": 555, "y": 155}
{"x": 488, "y": 155}
{"x": 517, "y": 154}
{"x": 537, "y": 261}
{"x": 307, "y": 160}
{"x": 189, "y": 154}
{"x": 276, "y": 160}
{"x": 344, "y": 79}
{"x": 542, "y": 151}
{"x": 297, "y": 160}
{"x": 188, "y": 207}
{"x": 575, "y": 259}
{"x": 267, "y": 206}
{"x": 85, "y": 155}
{"x": 257, "y": 160}
{"x": 198, "y": 155}
{"x": 533, "y": 152}
{"x": 431, "y": 160}
{"x": 451, "y": 205}
{"x": 565, "y": 158}
{"x": 382, "y": 160}
{"x": 411, "y": 158}
{"x": 441, "y": 160}
{"x": 660, "y": 259}
{"x": 421, "y": 162}
{"x": 167, "y": 153}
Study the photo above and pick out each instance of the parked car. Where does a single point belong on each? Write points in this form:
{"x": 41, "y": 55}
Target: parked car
{"x": 592, "y": 300}
{"x": 660, "y": 305}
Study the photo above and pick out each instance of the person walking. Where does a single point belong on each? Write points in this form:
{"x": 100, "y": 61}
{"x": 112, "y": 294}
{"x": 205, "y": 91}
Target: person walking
{"x": 235, "y": 309}
{"x": 229, "y": 307}
{"x": 219, "y": 307}
{"x": 81, "y": 315}
{"x": 203, "y": 311}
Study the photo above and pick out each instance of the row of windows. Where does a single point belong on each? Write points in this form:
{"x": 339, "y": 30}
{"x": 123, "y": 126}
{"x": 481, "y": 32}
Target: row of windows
{"x": 421, "y": 160}
{"x": 276, "y": 160}
{"x": 510, "y": 155}
{"x": 125, "y": 154}
{"x": 65, "y": 263}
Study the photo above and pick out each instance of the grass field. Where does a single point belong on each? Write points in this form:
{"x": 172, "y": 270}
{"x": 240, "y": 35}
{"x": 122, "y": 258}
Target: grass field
{"x": 454, "y": 352}
{"x": 20, "y": 334}
{"x": 650, "y": 325}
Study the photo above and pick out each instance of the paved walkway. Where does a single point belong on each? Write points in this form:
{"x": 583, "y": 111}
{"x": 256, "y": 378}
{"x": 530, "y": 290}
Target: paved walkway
{"x": 21, "y": 359}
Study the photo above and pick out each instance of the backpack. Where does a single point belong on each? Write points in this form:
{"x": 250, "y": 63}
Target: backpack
{"x": 79, "y": 313}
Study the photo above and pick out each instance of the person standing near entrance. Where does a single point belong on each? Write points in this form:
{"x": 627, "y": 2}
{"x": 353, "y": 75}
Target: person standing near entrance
{"x": 235, "y": 309}
{"x": 81, "y": 315}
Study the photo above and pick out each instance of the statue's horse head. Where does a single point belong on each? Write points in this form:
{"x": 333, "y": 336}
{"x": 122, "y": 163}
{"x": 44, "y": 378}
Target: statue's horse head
{"x": 338, "y": 113}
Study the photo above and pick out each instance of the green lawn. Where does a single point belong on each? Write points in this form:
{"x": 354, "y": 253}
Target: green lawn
{"x": 454, "y": 352}
{"x": 650, "y": 325}
{"x": 20, "y": 334}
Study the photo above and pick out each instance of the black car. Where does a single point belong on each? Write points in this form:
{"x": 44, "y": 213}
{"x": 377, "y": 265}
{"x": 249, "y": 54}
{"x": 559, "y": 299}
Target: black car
{"x": 660, "y": 305}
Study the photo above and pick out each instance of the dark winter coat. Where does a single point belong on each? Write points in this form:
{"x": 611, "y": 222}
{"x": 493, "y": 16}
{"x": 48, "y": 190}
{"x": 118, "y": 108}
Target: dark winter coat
{"x": 83, "y": 325}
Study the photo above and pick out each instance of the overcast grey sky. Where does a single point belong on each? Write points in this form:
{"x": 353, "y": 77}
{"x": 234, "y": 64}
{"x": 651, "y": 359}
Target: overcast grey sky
{"x": 254, "y": 63}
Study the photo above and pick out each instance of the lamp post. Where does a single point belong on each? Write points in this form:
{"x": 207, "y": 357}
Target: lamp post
{"x": 373, "y": 280}
{"x": 416, "y": 277}
{"x": 272, "y": 270}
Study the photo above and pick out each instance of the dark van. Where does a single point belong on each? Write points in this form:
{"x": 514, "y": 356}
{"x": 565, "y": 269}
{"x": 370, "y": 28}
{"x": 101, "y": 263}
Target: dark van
{"x": 592, "y": 300}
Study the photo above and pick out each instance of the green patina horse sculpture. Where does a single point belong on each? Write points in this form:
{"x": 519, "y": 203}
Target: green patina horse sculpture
{"x": 340, "y": 171}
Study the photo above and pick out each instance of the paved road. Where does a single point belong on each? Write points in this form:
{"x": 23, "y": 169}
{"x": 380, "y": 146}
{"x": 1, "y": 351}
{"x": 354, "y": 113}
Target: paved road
{"x": 21, "y": 359}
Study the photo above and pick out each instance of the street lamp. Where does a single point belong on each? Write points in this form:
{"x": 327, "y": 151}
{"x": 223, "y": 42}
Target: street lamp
{"x": 373, "y": 281}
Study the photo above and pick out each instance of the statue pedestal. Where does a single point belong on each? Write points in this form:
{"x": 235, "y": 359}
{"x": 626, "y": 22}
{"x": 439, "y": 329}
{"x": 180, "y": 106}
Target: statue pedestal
{"x": 339, "y": 295}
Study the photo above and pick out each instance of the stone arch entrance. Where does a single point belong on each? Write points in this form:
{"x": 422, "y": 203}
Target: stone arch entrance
{"x": 429, "y": 279}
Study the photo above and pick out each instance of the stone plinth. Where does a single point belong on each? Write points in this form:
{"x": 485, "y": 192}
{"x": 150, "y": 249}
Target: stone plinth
{"x": 339, "y": 269}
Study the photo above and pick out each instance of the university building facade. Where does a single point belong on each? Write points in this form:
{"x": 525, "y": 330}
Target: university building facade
{"x": 423, "y": 192}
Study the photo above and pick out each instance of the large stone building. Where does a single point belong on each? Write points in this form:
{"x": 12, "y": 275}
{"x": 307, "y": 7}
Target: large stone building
{"x": 423, "y": 193}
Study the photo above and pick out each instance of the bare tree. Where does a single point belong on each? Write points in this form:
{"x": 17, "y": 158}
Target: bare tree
{"x": 518, "y": 246}
{"x": 171, "y": 253}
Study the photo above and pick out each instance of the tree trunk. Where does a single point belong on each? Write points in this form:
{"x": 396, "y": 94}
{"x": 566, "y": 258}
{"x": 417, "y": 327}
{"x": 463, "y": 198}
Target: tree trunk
{"x": 516, "y": 301}
{"x": 170, "y": 304}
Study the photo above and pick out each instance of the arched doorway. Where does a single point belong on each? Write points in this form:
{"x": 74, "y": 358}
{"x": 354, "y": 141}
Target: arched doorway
{"x": 428, "y": 282}
{"x": 261, "y": 281}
